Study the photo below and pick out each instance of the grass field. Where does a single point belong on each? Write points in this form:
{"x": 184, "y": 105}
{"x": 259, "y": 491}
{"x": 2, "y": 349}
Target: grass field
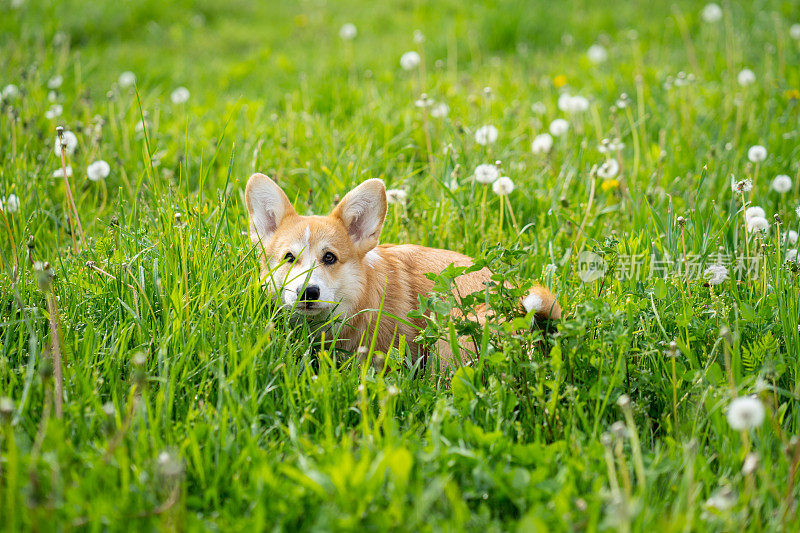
{"x": 148, "y": 382}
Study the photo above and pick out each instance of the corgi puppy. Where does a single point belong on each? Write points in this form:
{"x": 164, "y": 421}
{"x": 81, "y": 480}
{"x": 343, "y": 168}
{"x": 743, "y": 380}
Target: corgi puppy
{"x": 333, "y": 265}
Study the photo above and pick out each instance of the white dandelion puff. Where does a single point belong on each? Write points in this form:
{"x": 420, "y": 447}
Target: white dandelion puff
{"x": 10, "y": 92}
{"x": 542, "y": 143}
{"x": 757, "y": 225}
{"x": 539, "y": 108}
{"x": 126, "y": 79}
{"x": 486, "y": 173}
{"x": 55, "y": 82}
{"x": 70, "y": 143}
{"x": 98, "y": 170}
{"x": 722, "y": 500}
{"x": 746, "y": 77}
{"x": 54, "y": 111}
{"x": 179, "y": 95}
{"x": 790, "y": 237}
{"x": 711, "y": 13}
{"x": 750, "y": 463}
{"x": 782, "y": 184}
{"x": 396, "y": 196}
{"x": 754, "y": 211}
{"x": 741, "y": 186}
{"x": 716, "y": 274}
{"x": 609, "y": 169}
{"x": 10, "y": 205}
{"x": 410, "y": 60}
{"x": 597, "y": 53}
{"x": 59, "y": 172}
{"x": 348, "y": 31}
{"x": 423, "y": 101}
{"x": 745, "y": 412}
{"x": 572, "y": 104}
{"x": 486, "y": 135}
{"x": 791, "y": 256}
{"x": 440, "y": 110}
{"x": 794, "y": 32}
{"x": 503, "y": 186}
{"x": 559, "y": 127}
{"x": 756, "y": 153}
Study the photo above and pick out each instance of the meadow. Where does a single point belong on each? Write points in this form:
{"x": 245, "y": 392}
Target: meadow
{"x": 640, "y": 159}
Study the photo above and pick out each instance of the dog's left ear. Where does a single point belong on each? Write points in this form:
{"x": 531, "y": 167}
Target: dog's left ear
{"x": 362, "y": 211}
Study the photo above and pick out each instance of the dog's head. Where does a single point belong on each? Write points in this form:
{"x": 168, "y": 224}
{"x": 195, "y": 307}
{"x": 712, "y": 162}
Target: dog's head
{"x": 315, "y": 264}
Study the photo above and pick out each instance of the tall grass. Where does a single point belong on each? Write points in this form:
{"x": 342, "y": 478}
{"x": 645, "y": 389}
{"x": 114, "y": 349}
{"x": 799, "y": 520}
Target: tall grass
{"x": 191, "y": 401}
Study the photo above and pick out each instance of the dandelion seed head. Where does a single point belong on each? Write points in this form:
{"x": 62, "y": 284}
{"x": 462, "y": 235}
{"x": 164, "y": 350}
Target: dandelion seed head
{"x": 754, "y": 211}
{"x": 10, "y": 92}
{"x": 53, "y": 112}
{"x": 782, "y": 184}
{"x": 59, "y": 172}
{"x": 756, "y": 153}
{"x": 716, "y": 274}
{"x": 10, "y": 205}
{"x": 750, "y": 463}
{"x": 572, "y": 104}
{"x": 486, "y": 135}
{"x": 486, "y": 173}
{"x": 503, "y": 186}
{"x": 757, "y": 225}
{"x": 126, "y": 79}
{"x": 539, "y": 108}
{"x": 410, "y": 60}
{"x": 741, "y": 186}
{"x": 440, "y": 110}
{"x": 559, "y": 127}
{"x": 180, "y": 95}
{"x": 711, "y": 13}
{"x": 597, "y": 53}
{"x": 794, "y": 32}
{"x": 745, "y": 412}
{"x": 55, "y": 82}
{"x": 348, "y": 31}
{"x": 70, "y": 141}
{"x": 722, "y": 500}
{"x": 609, "y": 169}
{"x": 98, "y": 170}
{"x": 746, "y": 77}
{"x": 542, "y": 143}
{"x": 396, "y": 196}
{"x": 423, "y": 101}
{"x": 790, "y": 237}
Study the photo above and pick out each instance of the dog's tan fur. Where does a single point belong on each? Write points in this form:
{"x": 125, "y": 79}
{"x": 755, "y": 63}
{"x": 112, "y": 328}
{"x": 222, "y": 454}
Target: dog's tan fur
{"x": 366, "y": 276}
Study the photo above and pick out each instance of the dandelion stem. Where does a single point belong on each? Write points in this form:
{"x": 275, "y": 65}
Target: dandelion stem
{"x": 674, "y": 394}
{"x": 70, "y": 198}
{"x": 500, "y": 225}
{"x": 58, "y": 376}
{"x": 511, "y": 214}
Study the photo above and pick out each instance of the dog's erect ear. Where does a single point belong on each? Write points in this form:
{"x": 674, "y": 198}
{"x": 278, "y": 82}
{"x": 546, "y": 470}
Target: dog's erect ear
{"x": 267, "y": 206}
{"x": 362, "y": 212}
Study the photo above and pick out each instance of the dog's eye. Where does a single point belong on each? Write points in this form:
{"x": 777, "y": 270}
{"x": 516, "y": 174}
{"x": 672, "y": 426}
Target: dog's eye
{"x": 289, "y": 258}
{"x": 328, "y": 258}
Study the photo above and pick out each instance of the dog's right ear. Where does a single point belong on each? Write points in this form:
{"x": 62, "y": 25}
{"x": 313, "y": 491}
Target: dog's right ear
{"x": 267, "y": 206}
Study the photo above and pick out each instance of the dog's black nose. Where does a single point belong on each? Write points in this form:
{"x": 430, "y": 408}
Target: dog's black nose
{"x": 311, "y": 293}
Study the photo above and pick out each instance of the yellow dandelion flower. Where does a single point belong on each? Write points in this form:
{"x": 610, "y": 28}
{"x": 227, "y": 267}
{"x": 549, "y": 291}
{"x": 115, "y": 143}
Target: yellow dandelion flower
{"x": 609, "y": 185}
{"x": 559, "y": 81}
{"x": 792, "y": 94}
